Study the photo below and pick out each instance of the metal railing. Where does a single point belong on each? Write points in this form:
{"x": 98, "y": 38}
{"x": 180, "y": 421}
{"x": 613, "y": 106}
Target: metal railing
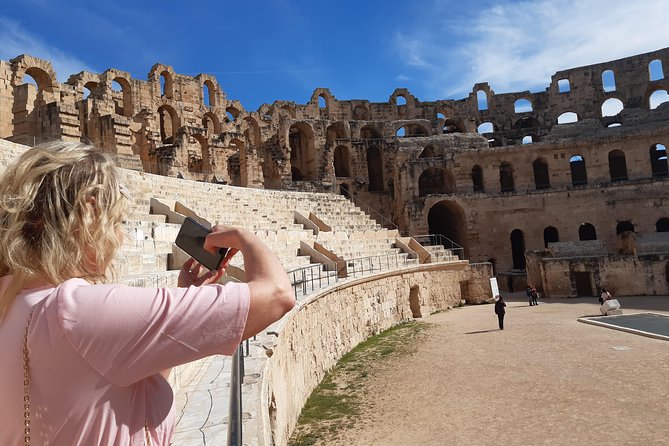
{"x": 313, "y": 277}
{"x": 440, "y": 239}
{"x": 235, "y": 401}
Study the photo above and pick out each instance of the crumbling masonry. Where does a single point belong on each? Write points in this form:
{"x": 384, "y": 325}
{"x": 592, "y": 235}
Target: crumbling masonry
{"x": 500, "y": 174}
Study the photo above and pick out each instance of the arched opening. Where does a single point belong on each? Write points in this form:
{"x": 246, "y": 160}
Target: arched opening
{"x": 401, "y": 132}
{"x": 428, "y": 152}
{"x": 608, "y": 81}
{"x": 209, "y": 93}
{"x": 614, "y": 124}
{"x": 122, "y": 101}
{"x": 541, "y": 177}
{"x": 453, "y": 126}
{"x": 400, "y": 100}
{"x": 658, "y": 97}
{"x": 567, "y": 118}
{"x": 527, "y": 139}
{"x": 482, "y": 100}
{"x": 295, "y": 174}
{"x": 658, "y": 160}
{"x": 435, "y": 181}
{"x": 341, "y": 162}
{"x": 374, "y": 169}
{"x": 253, "y": 132}
{"x": 477, "y": 178}
{"x": 527, "y": 122}
{"x": 199, "y": 162}
{"x": 448, "y": 219}
{"x": 414, "y": 301}
{"x": 232, "y": 114}
{"x": 302, "y": 152}
{"x": 617, "y": 165}
{"x": 322, "y": 101}
{"x": 662, "y": 225}
{"x": 411, "y": 130}
{"x": 169, "y": 124}
{"x": 612, "y": 107}
{"x": 518, "y": 249}
{"x": 240, "y": 151}
{"x": 624, "y": 226}
{"x": 587, "y": 232}
{"x": 655, "y": 70}
{"x": 211, "y": 123}
{"x": 564, "y": 86}
{"x": 35, "y": 91}
{"x": 166, "y": 86}
{"x": 551, "y": 235}
{"x": 522, "y": 106}
{"x": 579, "y": 175}
{"x": 485, "y": 127}
{"x": 369, "y": 132}
{"x": 336, "y": 131}
{"x": 506, "y": 177}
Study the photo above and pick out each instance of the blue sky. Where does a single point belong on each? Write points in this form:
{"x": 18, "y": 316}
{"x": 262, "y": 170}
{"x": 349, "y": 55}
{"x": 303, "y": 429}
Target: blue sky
{"x": 266, "y": 50}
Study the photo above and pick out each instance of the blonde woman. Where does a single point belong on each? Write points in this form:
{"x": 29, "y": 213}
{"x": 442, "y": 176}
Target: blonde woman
{"x": 91, "y": 354}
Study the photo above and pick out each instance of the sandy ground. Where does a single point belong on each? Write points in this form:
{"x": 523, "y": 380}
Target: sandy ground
{"x": 545, "y": 380}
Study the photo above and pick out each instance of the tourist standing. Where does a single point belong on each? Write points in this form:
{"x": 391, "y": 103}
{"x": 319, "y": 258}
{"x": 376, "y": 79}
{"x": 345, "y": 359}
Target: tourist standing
{"x": 528, "y": 291}
{"x": 500, "y": 311}
{"x": 534, "y": 295}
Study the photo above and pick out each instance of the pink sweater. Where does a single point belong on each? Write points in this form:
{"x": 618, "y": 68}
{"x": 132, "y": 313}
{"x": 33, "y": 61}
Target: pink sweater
{"x": 95, "y": 356}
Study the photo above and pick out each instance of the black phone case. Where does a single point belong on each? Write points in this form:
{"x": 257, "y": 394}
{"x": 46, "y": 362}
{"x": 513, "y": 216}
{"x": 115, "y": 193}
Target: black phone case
{"x": 191, "y": 239}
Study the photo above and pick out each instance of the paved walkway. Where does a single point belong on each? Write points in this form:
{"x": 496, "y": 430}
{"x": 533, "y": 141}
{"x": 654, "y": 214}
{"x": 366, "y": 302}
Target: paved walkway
{"x": 545, "y": 380}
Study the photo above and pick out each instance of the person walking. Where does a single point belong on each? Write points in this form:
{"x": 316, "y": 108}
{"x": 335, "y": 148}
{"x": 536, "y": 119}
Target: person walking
{"x": 500, "y": 311}
{"x": 535, "y": 296}
{"x": 528, "y": 291}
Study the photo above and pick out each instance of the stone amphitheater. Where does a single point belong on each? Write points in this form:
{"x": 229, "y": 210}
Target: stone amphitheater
{"x": 564, "y": 188}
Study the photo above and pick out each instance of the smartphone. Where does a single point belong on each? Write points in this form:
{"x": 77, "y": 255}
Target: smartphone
{"x": 191, "y": 239}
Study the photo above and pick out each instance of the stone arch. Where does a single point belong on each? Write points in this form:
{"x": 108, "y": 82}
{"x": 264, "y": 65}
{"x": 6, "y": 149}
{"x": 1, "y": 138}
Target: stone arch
{"x": 477, "y": 178}
{"x": 551, "y": 235}
{"x": 29, "y": 97}
{"x": 211, "y": 123}
{"x": 655, "y": 72}
{"x": 567, "y": 118}
{"x": 541, "y": 176}
{"x": 93, "y": 88}
{"x": 448, "y": 219}
{"x": 657, "y": 96}
{"x": 43, "y": 80}
{"x": 518, "y": 249}
{"x": 527, "y": 122}
{"x": 232, "y": 113}
{"x": 612, "y": 107}
{"x": 201, "y": 163}
{"x": 586, "y": 231}
{"x": 166, "y": 85}
{"x": 579, "y": 175}
{"x": 370, "y": 132}
{"x": 564, "y": 86}
{"x": 454, "y": 126}
{"x": 662, "y": 225}
{"x": 124, "y": 108}
{"x": 302, "y": 151}
{"x": 485, "y": 128}
{"x": 506, "y": 177}
{"x": 342, "y": 162}
{"x": 209, "y": 93}
{"x": 623, "y": 226}
{"x": 608, "y": 81}
{"x": 336, "y": 131}
{"x": 522, "y": 105}
{"x": 240, "y": 147}
{"x": 375, "y": 169}
{"x": 482, "y": 100}
{"x": 658, "y": 160}
{"x": 252, "y": 131}
{"x": 435, "y": 180}
{"x": 169, "y": 124}
{"x": 617, "y": 165}
{"x": 400, "y": 100}
{"x": 411, "y": 130}
{"x": 290, "y": 110}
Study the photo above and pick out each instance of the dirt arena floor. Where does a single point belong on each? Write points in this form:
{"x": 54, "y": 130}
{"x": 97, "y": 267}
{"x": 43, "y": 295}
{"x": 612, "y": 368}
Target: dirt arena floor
{"x": 545, "y": 380}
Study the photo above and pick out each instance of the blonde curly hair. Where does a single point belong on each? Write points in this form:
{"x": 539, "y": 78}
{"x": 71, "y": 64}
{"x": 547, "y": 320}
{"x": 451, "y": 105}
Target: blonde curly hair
{"x": 61, "y": 214}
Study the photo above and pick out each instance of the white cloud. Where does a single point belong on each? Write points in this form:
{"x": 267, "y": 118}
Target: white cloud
{"x": 16, "y": 41}
{"x": 516, "y": 46}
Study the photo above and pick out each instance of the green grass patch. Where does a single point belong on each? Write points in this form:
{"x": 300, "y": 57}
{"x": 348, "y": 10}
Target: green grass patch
{"x": 339, "y": 398}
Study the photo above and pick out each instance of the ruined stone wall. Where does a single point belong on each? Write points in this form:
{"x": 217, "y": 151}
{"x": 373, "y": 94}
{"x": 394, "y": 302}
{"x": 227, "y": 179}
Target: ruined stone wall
{"x": 313, "y": 338}
{"x": 402, "y": 156}
{"x": 620, "y": 275}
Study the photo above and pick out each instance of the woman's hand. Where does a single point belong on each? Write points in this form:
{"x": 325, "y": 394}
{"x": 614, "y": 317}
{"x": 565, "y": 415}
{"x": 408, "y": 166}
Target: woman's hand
{"x": 190, "y": 274}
